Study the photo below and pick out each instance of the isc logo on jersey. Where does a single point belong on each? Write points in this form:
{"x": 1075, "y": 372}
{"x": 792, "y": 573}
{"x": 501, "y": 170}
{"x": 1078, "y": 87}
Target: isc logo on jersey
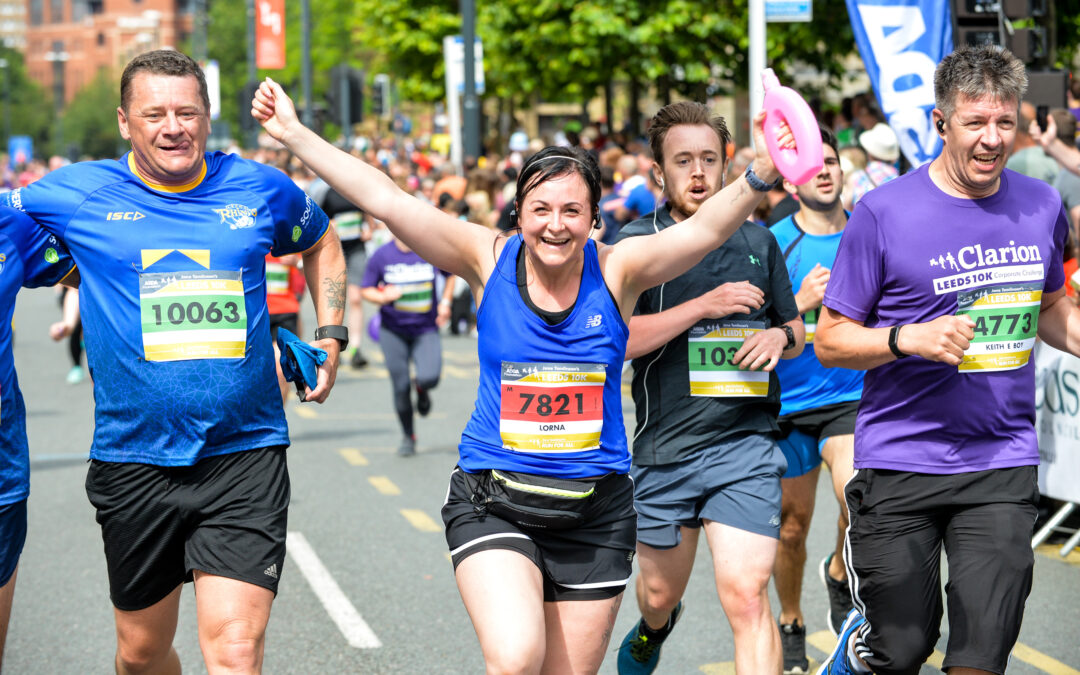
{"x": 238, "y": 216}
{"x": 124, "y": 215}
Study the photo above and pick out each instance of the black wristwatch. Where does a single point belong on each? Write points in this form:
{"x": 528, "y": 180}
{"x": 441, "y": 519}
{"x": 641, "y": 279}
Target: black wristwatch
{"x": 339, "y": 333}
{"x": 755, "y": 181}
{"x": 790, "y": 336}
{"x": 894, "y": 338}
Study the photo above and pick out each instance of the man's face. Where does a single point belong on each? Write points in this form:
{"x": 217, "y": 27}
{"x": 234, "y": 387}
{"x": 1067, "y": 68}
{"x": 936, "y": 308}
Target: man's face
{"x": 167, "y": 125}
{"x": 693, "y": 166}
{"x": 822, "y": 192}
{"x": 978, "y": 140}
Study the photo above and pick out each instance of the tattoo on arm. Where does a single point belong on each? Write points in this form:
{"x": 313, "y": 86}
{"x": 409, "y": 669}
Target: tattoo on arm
{"x": 743, "y": 188}
{"x": 335, "y": 292}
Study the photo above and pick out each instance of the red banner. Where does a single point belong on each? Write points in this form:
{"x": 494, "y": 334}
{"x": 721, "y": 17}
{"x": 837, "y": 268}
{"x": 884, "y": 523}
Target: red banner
{"x": 270, "y": 34}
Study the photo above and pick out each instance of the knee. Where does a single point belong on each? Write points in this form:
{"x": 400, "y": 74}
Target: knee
{"x": 427, "y": 382}
{"x": 142, "y": 657}
{"x": 234, "y": 647}
{"x": 656, "y": 596}
{"x": 745, "y": 602}
{"x": 794, "y": 527}
{"x": 511, "y": 659}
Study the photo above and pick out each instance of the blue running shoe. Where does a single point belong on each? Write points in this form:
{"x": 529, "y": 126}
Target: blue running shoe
{"x": 638, "y": 654}
{"x": 837, "y": 663}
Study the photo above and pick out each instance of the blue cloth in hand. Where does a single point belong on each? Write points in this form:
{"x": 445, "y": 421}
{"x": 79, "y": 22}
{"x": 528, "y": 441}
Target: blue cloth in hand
{"x": 299, "y": 361}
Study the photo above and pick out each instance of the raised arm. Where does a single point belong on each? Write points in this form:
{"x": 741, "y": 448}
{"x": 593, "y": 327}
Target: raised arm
{"x": 459, "y": 247}
{"x": 638, "y": 263}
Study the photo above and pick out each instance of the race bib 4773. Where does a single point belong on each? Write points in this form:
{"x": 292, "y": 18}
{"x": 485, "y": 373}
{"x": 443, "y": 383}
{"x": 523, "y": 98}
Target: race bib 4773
{"x": 1006, "y": 319}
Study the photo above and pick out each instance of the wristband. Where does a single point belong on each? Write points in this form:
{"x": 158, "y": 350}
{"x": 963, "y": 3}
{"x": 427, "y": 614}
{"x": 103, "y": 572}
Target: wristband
{"x": 339, "y": 333}
{"x": 790, "y": 336}
{"x": 755, "y": 182}
{"x": 894, "y": 336}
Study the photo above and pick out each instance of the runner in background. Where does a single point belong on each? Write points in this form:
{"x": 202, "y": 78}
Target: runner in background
{"x": 284, "y": 287}
{"x": 817, "y": 420}
{"x": 406, "y": 286}
{"x": 354, "y": 229}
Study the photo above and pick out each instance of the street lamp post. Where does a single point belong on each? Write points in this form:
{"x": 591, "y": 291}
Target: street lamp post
{"x": 58, "y": 57}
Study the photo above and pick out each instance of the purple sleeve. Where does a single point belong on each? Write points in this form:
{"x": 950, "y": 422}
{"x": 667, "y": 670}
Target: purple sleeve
{"x": 1055, "y": 275}
{"x": 857, "y": 276}
{"x": 373, "y": 270}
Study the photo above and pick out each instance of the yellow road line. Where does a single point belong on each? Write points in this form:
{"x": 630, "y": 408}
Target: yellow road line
{"x": 461, "y": 373}
{"x": 1051, "y": 551}
{"x": 421, "y": 520}
{"x": 384, "y": 485}
{"x": 353, "y": 456}
{"x": 1041, "y": 661}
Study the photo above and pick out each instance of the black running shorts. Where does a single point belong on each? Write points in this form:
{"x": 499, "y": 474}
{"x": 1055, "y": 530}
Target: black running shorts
{"x": 900, "y": 523}
{"x": 589, "y": 562}
{"x": 226, "y": 516}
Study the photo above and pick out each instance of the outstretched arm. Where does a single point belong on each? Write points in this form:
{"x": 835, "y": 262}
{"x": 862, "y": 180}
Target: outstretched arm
{"x": 324, "y": 268}
{"x": 637, "y": 263}
{"x": 456, "y": 246}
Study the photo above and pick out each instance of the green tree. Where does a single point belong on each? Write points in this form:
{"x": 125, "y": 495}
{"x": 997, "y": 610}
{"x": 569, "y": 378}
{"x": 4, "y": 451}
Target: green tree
{"x": 29, "y": 111}
{"x": 89, "y": 121}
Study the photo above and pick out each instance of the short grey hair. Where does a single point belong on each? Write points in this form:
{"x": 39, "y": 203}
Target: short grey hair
{"x": 975, "y": 72}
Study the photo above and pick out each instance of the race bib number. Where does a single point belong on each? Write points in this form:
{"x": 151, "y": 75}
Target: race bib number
{"x": 810, "y": 321}
{"x": 193, "y": 315}
{"x": 277, "y": 279}
{"x": 1006, "y": 320}
{"x": 349, "y": 225}
{"x": 415, "y": 298}
{"x": 712, "y": 346}
{"x": 551, "y": 407}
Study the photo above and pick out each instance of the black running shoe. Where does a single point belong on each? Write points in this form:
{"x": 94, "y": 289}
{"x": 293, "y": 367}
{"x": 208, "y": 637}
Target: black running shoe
{"x": 839, "y": 597}
{"x": 793, "y": 643}
{"x": 358, "y": 360}
{"x": 423, "y": 402}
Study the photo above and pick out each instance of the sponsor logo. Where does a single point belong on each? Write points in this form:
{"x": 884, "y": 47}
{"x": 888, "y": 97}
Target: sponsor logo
{"x": 124, "y": 215}
{"x": 271, "y": 571}
{"x": 51, "y": 256}
{"x": 238, "y": 216}
{"x": 296, "y": 232}
{"x": 307, "y": 212}
{"x": 973, "y": 257}
{"x": 754, "y": 260}
{"x": 16, "y": 200}
{"x": 594, "y": 321}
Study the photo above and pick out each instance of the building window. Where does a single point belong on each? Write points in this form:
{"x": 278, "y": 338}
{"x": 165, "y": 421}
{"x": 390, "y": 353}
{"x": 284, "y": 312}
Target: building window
{"x": 101, "y": 39}
{"x": 56, "y": 10}
{"x": 78, "y": 10}
{"x": 37, "y": 12}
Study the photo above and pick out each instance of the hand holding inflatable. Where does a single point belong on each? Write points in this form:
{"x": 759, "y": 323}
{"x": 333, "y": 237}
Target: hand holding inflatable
{"x": 783, "y": 104}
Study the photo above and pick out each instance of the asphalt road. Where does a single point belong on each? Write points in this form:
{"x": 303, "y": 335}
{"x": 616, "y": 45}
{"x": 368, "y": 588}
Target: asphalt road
{"x": 367, "y": 586}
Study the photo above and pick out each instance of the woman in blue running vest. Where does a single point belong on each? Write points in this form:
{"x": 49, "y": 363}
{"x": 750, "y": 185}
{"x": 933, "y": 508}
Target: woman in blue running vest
{"x": 539, "y": 516}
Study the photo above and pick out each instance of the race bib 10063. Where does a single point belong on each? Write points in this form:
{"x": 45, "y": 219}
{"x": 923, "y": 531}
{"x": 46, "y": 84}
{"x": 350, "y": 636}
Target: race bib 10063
{"x": 1006, "y": 319}
{"x": 551, "y": 407}
{"x": 193, "y": 315}
{"x": 712, "y": 346}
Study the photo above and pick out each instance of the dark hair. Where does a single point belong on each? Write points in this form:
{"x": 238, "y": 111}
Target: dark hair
{"x": 829, "y": 139}
{"x": 974, "y": 72}
{"x": 683, "y": 112}
{"x": 607, "y": 177}
{"x": 554, "y": 162}
{"x": 163, "y": 62}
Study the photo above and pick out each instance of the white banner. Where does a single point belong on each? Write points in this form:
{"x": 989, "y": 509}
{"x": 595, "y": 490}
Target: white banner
{"x": 1057, "y": 419}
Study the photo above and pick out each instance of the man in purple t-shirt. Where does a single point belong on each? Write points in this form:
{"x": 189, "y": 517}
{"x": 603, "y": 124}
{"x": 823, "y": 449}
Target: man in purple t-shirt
{"x": 942, "y": 281}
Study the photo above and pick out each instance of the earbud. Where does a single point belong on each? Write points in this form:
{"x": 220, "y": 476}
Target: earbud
{"x": 513, "y": 218}
{"x": 941, "y": 126}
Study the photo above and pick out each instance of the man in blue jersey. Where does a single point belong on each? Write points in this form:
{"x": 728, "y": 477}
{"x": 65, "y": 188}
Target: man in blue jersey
{"x": 817, "y": 418}
{"x": 29, "y": 257}
{"x": 188, "y": 471}
{"x": 704, "y": 453}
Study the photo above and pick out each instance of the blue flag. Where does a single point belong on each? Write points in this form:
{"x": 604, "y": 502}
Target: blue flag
{"x": 901, "y": 43}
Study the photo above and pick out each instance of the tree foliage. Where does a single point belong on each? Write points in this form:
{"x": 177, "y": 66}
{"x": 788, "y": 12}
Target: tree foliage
{"x": 29, "y": 108}
{"x": 89, "y": 120}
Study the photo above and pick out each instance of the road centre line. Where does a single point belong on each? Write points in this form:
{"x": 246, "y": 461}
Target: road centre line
{"x": 384, "y": 485}
{"x": 353, "y": 456}
{"x": 356, "y": 631}
{"x": 420, "y": 520}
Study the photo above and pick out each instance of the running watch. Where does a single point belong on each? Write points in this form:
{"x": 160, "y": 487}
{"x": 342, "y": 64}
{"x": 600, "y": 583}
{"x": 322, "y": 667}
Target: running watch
{"x": 339, "y": 333}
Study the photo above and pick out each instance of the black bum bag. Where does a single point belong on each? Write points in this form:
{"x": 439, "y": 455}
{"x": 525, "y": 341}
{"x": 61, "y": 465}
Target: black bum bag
{"x": 529, "y": 500}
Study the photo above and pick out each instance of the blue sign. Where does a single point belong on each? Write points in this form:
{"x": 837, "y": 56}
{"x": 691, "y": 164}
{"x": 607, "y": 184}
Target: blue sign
{"x": 901, "y": 43}
{"x": 788, "y": 10}
{"x": 20, "y": 150}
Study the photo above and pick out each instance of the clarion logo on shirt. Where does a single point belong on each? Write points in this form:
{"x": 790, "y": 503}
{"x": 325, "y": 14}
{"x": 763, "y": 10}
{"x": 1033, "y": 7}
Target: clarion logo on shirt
{"x": 124, "y": 215}
{"x": 973, "y": 257}
{"x": 238, "y": 216}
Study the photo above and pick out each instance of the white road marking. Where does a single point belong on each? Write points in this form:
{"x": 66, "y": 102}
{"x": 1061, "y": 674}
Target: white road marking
{"x": 348, "y": 620}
